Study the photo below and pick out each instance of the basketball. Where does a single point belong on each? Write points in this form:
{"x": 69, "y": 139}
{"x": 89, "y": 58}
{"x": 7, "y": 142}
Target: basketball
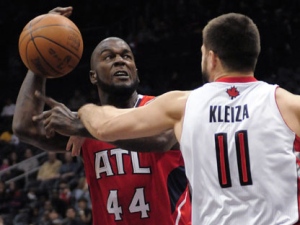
{"x": 50, "y": 45}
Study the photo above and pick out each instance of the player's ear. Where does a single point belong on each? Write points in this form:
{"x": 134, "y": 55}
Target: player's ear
{"x": 212, "y": 59}
{"x": 93, "y": 77}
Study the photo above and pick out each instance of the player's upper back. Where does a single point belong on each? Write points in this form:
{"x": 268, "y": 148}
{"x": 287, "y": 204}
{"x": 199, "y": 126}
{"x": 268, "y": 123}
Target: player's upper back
{"x": 239, "y": 155}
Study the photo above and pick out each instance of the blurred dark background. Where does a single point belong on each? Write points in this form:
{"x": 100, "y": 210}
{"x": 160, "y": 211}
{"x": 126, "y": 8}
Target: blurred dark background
{"x": 165, "y": 36}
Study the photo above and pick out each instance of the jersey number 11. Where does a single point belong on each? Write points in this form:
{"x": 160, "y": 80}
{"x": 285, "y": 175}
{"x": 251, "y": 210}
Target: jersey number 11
{"x": 242, "y": 152}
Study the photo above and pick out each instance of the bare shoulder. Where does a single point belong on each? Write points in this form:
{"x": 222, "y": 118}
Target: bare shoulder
{"x": 289, "y": 107}
{"x": 173, "y": 102}
{"x": 287, "y": 99}
{"x": 174, "y": 96}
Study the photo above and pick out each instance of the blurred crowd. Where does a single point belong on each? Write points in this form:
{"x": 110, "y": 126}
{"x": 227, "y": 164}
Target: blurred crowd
{"x": 36, "y": 187}
{"x": 165, "y": 36}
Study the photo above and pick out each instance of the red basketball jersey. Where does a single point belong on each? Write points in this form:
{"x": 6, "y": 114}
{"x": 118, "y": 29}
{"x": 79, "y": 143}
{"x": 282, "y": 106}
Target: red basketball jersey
{"x": 133, "y": 188}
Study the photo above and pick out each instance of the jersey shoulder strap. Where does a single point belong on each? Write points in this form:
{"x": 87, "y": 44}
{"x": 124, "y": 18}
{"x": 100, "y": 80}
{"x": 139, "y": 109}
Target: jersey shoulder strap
{"x": 143, "y": 100}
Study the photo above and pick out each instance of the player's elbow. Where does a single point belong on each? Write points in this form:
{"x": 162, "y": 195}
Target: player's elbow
{"x": 24, "y": 132}
{"x": 102, "y": 133}
{"x": 19, "y": 130}
{"x": 105, "y": 135}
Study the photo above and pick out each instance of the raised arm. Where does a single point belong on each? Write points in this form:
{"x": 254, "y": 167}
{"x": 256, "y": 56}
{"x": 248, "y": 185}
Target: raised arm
{"x": 27, "y": 106}
{"x": 108, "y": 123}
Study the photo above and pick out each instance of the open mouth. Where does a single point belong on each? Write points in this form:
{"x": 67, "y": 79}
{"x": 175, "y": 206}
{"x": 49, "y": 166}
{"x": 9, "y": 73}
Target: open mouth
{"x": 121, "y": 74}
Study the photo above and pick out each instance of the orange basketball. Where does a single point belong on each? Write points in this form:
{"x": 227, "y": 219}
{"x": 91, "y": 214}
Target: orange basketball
{"x": 50, "y": 45}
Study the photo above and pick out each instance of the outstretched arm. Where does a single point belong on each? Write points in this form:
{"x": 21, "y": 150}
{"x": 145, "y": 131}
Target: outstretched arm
{"x": 60, "y": 120}
{"x": 108, "y": 123}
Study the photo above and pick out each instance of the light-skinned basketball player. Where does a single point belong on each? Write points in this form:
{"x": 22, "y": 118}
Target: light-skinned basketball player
{"x": 126, "y": 187}
{"x": 239, "y": 136}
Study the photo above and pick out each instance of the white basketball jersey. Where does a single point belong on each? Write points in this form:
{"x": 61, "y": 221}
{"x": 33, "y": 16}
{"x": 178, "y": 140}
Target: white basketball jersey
{"x": 239, "y": 155}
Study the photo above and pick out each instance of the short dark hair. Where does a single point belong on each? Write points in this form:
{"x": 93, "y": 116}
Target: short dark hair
{"x": 235, "y": 39}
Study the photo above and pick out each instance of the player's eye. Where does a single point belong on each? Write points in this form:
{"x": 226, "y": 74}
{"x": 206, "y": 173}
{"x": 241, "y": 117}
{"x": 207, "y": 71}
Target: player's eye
{"x": 108, "y": 57}
{"x": 127, "y": 56}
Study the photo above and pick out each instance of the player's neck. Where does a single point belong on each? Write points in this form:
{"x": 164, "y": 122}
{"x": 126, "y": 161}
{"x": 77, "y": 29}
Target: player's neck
{"x": 232, "y": 74}
{"x": 119, "y": 101}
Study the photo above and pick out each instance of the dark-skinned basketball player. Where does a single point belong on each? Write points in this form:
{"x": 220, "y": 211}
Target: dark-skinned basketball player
{"x": 126, "y": 187}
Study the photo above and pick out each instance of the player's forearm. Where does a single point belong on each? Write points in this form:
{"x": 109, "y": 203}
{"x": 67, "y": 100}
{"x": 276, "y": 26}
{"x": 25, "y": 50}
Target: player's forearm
{"x": 27, "y": 105}
{"x": 107, "y": 123}
{"x": 159, "y": 143}
{"x": 88, "y": 118}
{"x": 95, "y": 119}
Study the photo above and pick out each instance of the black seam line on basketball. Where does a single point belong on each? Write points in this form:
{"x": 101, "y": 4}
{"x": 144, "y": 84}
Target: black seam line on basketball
{"x": 39, "y": 20}
{"x": 31, "y": 30}
{"x": 50, "y": 66}
{"x": 21, "y": 40}
{"x": 31, "y": 38}
{"x": 57, "y": 25}
{"x": 58, "y": 45}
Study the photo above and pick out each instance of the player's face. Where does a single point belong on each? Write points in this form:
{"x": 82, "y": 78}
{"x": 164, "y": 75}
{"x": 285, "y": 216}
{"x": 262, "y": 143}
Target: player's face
{"x": 205, "y": 74}
{"x": 115, "y": 68}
